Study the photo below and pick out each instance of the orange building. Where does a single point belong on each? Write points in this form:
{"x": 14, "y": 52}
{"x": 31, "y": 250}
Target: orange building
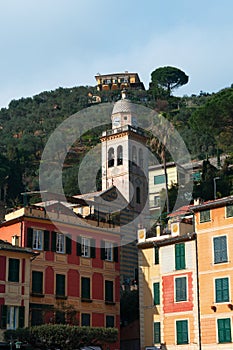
{"x": 118, "y": 81}
{"x": 214, "y": 228}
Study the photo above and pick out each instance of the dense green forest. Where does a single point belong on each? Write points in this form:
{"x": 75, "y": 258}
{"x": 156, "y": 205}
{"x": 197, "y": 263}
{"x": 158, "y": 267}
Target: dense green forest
{"x": 204, "y": 121}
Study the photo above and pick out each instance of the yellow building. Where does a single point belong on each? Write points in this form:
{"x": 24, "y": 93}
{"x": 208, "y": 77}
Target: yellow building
{"x": 14, "y": 286}
{"x": 118, "y": 81}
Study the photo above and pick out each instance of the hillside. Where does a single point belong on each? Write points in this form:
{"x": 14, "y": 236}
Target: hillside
{"x": 204, "y": 122}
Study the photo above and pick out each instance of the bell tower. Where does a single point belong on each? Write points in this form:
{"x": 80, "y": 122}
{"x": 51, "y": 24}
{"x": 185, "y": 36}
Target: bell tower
{"x": 124, "y": 155}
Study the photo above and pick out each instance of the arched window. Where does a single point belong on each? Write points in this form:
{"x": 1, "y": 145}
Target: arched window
{"x": 110, "y": 157}
{"x": 119, "y": 155}
{"x": 140, "y": 157}
{"x": 134, "y": 155}
{"x": 138, "y": 195}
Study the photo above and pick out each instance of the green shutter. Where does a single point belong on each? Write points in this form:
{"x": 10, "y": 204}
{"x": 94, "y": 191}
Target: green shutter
{"x": 222, "y": 290}
{"x": 21, "y": 316}
{"x": 157, "y": 334}
{"x": 13, "y": 273}
{"x": 229, "y": 210}
{"x": 92, "y": 248}
{"x": 85, "y": 287}
{"x": 181, "y": 290}
{"x": 60, "y": 285}
{"x": 3, "y": 316}
{"x": 37, "y": 282}
{"x": 68, "y": 244}
{"x": 156, "y": 289}
{"x": 54, "y": 241}
{"x": 109, "y": 321}
{"x": 156, "y": 252}
{"x": 102, "y": 255}
{"x": 220, "y": 249}
{"x": 115, "y": 253}
{"x": 224, "y": 330}
{"x": 182, "y": 332}
{"x": 180, "y": 256}
{"x": 46, "y": 240}
{"x": 108, "y": 291}
{"x": 29, "y": 237}
{"x": 79, "y": 246}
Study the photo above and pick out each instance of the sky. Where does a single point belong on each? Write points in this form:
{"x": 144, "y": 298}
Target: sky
{"x": 48, "y": 44}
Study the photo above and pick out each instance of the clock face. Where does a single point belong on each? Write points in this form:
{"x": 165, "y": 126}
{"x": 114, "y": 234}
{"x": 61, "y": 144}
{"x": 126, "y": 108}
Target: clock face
{"x": 116, "y": 121}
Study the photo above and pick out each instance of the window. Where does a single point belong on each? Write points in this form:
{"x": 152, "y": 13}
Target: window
{"x": 140, "y": 157}
{"x": 109, "y": 321}
{"x": 204, "y": 216}
{"x": 86, "y": 320}
{"x": 156, "y": 201}
{"x": 37, "y": 239}
{"x": 134, "y": 155}
{"x": 220, "y": 249}
{"x": 60, "y": 243}
{"x": 182, "y": 332}
{"x": 60, "y": 285}
{"x": 156, "y": 254}
{"x": 119, "y": 155}
{"x": 37, "y": 282}
{"x": 221, "y": 290}
{"x": 159, "y": 179}
{"x": 109, "y": 291}
{"x": 60, "y": 317}
{"x": 157, "y": 333}
{"x": 229, "y": 210}
{"x": 180, "y": 256}
{"x": 156, "y": 290}
{"x": 109, "y": 251}
{"x": 110, "y": 157}
{"x": 224, "y": 330}
{"x": 86, "y": 247}
{"x": 85, "y": 288}
{"x": 138, "y": 195}
{"x": 181, "y": 289}
{"x": 13, "y": 270}
{"x": 12, "y": 317}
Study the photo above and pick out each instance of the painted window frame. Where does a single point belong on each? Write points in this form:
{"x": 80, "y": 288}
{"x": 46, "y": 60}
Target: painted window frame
{"x": 229, "y": 211}
{"x": 183, "y": 341}
{"x": 203, "y": 217}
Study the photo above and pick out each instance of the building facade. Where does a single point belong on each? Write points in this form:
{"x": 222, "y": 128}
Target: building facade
{"x": 76, "y": 277}
{"x": 14, "y": 286}
{"x": 119, "y": 81}
{"x": 185, "y": 279}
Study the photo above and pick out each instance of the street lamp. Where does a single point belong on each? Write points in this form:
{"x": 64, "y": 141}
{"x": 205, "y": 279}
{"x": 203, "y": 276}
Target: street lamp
{"x": 215, "y": 179}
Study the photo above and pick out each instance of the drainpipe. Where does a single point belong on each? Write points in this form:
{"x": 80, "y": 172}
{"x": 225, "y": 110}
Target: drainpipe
{"x": 198, "y": 295}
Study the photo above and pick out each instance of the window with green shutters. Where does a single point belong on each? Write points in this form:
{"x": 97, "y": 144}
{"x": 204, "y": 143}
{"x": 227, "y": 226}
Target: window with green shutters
{"x": 180, "y": 256}
{"x": 229, "y": 210}
{"x": 157, "y": 333}
{"x": 13, "y": 270}
{"x": 204, "y": 216}
{"x": 221, "y": 290}
{"x": 181, "y": 289}
{"x": 220, "y": 249}
{"x": 109, "y": 291}
{"x": 156, "y": 255}
{"x": 182, "y": 332}
{"x": 156, "y": 289}
{"x": 85, "y": 288}
{"x": 60, "y": 285}
{"x": 37, "y": 282}
{"x": 224, "y": 330}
